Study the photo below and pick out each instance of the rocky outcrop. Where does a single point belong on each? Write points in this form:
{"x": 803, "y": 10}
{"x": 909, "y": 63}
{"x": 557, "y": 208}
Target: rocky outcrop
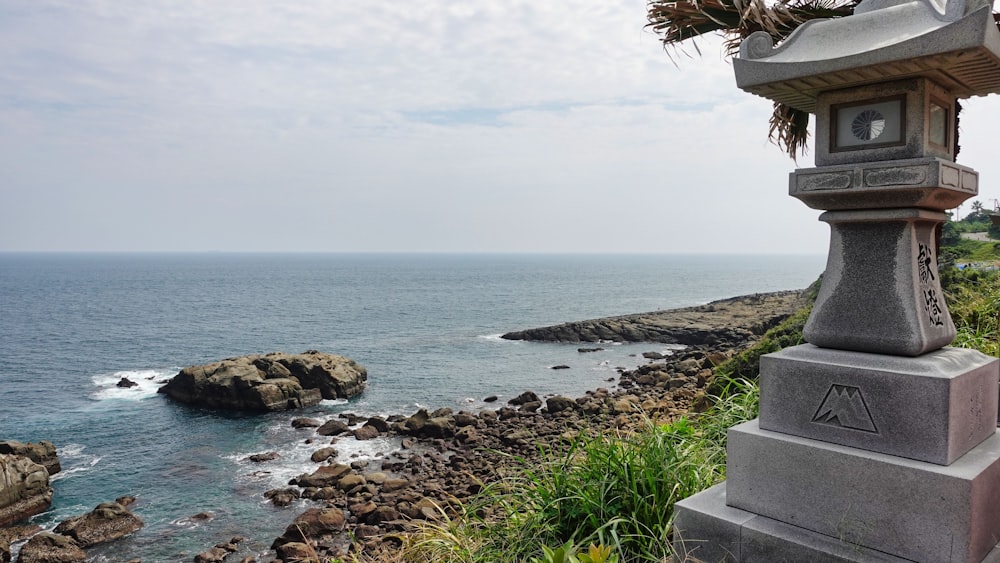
{"x": 270, "y": 382}
{"x": 24, "y": 488}
{"x": 51, "y": 548}
{"x": 109, "y": 521}
{"x": 44, "y": 453}
{"x": 728, "y": 323}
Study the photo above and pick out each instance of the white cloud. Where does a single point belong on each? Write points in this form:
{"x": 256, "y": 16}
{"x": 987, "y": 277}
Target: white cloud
{"x": 428, "y": 125}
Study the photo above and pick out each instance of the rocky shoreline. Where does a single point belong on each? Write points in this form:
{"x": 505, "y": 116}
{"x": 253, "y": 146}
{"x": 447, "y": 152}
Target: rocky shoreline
{"x": 446, "y": 457}
{"x": 726, "y": 322}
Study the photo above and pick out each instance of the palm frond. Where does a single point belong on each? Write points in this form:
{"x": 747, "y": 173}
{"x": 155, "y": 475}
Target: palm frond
{"x": 677, "y": 21}
{"x": 789, "y": 129}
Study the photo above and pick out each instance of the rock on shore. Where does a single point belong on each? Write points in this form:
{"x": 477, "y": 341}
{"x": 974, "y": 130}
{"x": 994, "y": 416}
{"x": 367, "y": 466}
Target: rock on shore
{"x": 24, "y": 488}
{"x": 447, "y": 457}
{"x": 270, "y": 382}
{"x": 730, "y": 322}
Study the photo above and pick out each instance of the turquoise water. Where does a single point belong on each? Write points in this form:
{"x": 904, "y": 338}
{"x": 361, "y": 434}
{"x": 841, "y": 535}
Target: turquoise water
{"x": 426, "y": 326}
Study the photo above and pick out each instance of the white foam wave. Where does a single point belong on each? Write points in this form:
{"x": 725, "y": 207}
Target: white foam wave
{"x": 147, "y": 382}
{"x": 494, "y": 337}
{"x": 333, "y": 402}
{"x": 295, "y": 454}
{"x": 74, "y": 460}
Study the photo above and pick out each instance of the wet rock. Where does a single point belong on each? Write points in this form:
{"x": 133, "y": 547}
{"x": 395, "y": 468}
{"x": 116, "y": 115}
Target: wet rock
{"x": 378, "y": 423}
{"x": 366, "y": 433}
{"x": 333, "y": 427}
{"x": 589, "y": 350}
{"x": 109, "y": 521}
{"x": 214, "y": 555}
{"x": 282, "y": 497}
{"x": 51, "y": 548}
{"x": 306, "y": 423}
{"x": 527, "y": 396}
{"x": 126, "y": 383}
{"x": 261, "y": 458}
{"x": 323, "y": 454}
{"x": 203, "y": 516}
{"x": 490, "y": 399}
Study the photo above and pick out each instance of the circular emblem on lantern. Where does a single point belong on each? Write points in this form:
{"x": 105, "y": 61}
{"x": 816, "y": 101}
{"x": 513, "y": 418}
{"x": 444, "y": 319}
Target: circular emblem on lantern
{"x": 868, "y": 125}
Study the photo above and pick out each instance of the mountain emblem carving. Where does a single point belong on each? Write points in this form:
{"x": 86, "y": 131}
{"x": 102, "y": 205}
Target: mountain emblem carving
{"x": 845, "y": 406}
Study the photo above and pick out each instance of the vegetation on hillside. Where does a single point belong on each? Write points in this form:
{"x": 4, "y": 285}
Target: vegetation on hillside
{"x": 609, "y": 498}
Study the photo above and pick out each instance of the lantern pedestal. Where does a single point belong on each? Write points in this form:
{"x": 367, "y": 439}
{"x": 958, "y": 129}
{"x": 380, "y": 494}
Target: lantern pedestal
{"x": 880, "y": 291}
{"x": 844, "y": 504}
{"x": 857, "y": 457}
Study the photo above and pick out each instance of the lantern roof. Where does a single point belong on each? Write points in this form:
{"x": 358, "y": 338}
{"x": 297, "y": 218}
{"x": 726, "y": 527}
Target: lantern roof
{"x": 953, "y": 42}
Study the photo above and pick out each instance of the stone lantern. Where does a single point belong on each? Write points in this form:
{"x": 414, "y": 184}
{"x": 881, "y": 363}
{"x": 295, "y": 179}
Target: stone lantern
{"x": 875, "y": 441}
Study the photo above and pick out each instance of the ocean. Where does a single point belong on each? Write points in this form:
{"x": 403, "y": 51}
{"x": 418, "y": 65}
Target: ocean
{"x": 425, "y": 326}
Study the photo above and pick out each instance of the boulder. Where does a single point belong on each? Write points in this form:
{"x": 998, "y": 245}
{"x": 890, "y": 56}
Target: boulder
{"x": 306, "y": 423}
{"x": 266, "y": 456}
{"x": 126, "y": 383}
{"x": 440, "y": 427}
{"x": 294, "y": 551}
{"x": 325, "y": 476}
{"x": 282, "y": 497}
{"x": 323, "y": 454}
{"x": 24, "y": 489}
{"x": 44, "y": 452}
{"x": 415, "y": 423}
{"x": 366, "y": 432}
{"x": 333, "y": 427}
{"x": 559, "y": 404}
{"x": 109, "y": 521}
{"x": 312, "y": 524}
{"x": 270, "y": 382}
{"x": 51, "y": 548}
{"x": 214, "y": 555}
{"x": 526, "y": 397}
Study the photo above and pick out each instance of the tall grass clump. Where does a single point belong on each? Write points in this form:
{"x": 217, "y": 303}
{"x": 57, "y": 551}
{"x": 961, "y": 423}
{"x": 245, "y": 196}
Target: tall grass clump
{"x": 974, "y": 302}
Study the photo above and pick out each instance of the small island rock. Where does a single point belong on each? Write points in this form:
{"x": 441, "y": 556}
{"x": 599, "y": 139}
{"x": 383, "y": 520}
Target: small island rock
{"x": 270, "y": 382}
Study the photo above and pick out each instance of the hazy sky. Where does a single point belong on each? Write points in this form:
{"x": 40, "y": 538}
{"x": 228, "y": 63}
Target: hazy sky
{"x": 427, "y": 125}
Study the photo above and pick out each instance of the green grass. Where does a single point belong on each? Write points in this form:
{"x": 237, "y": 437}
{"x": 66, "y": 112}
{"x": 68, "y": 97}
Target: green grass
{"x": 619, "y": 490}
